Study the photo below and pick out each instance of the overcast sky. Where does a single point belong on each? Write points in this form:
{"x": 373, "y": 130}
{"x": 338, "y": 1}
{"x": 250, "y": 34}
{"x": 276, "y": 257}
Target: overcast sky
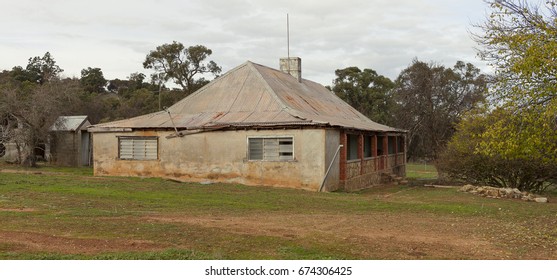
{"x": 115, "y": 35}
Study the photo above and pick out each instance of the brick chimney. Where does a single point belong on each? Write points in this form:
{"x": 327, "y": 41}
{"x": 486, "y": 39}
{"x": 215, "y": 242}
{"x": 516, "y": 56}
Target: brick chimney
{"x": 292, "y": 66}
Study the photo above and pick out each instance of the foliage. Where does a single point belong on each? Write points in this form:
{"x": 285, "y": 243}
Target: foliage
{"x": 430, "y": 99}
{"x": 42, "y": 69}
{"x": 365, "y": 90}
{"x": 181, "y": 65}
{"x": 33, "y": 111}
{"x": 92, "y": 80}
{"x": 514, "y": 145}
{"x": 519, "y": 40}
{"x": 477, "y": 155}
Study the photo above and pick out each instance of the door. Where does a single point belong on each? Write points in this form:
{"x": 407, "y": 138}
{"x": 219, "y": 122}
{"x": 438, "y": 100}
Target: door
{"x": 85, "y": 148}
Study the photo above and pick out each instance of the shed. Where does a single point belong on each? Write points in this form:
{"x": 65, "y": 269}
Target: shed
{"x": 257, "y": 126}
{"x": 70, "y": 142}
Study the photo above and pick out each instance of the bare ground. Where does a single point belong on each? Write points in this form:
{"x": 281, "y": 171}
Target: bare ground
{"x": 380, "y": 235}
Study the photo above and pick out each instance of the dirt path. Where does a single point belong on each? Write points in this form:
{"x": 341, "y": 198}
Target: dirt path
{"x": 387, "y": 235}
{"x": 30, "y": 241}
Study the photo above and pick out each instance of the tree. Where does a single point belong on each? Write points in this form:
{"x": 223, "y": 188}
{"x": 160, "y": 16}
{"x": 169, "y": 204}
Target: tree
{"x": 43, "y": 69}
{"x": 365, "y": 90}
{"x": 476, "y": 155}
{"x": 33, "y": 110}
{"x": 430, "y": 99}
{"x": 181, "y": 65}
{"x": 92, "y": 80}
{"x": 517, "y": 142}
{"x": 519, "y": 40}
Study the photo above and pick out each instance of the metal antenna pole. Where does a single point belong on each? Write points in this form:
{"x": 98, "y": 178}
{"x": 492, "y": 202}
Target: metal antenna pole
{"x": 288, "y": 36}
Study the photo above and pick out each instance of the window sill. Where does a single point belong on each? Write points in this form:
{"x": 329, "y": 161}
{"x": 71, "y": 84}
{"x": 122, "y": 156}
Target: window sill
{"x": 258, "y": 160}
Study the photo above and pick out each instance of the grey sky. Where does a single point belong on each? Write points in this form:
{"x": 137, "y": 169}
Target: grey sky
{"x": 384, "y": 35}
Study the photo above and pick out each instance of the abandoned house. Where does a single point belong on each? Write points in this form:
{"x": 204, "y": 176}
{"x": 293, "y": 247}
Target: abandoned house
{"x": 69, "y": 143}
{"x": 257, "y": 126}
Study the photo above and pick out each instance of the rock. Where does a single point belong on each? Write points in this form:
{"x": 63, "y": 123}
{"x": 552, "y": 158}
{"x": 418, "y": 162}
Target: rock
{"x": 541, "y": 199}
{"x": 466, "y": 188}
{"x": 507, "y": 191}
{"x": 493, "y": 192}
{"x": 517, "y": 191}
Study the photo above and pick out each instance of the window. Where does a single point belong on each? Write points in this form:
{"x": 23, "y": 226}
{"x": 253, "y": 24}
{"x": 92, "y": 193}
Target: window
{"x": 352, "y": 151}
{"x": 392, "y": 145}
{"x": 368, "y": 146}
{"x": 138, "y": 148}
{"x": 271, "y": 148}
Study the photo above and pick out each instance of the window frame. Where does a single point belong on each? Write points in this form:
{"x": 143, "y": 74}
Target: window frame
{"x": 270, "y": 158}
{"x": 350, "y": 146}
{"x": 133, "y": 156}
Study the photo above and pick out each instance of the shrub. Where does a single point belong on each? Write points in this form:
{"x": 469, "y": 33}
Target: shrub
{"x": 510, "y": 160}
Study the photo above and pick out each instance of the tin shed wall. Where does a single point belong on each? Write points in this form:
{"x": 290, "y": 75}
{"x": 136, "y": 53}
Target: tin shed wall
{"x": 218, "y": 156}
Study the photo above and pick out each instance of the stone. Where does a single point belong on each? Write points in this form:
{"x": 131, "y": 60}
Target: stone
{"x": 507, "y": 191}
{"x": 466, "y": 188}
{"x": 493, "y": 192}
{"x": 541, "y": 199}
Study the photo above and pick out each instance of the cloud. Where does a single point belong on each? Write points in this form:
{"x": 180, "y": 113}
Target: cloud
{"x": 328, "y": 35}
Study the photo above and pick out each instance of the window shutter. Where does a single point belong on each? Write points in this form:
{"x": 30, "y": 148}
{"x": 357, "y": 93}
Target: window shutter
{"x": 138, "y": 148}
{"x": 271, "y": 148}
{"x": 255, "y": 148}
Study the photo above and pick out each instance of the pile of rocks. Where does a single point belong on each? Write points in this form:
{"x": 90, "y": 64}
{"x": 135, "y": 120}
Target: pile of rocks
{"x": 492, "y": 192}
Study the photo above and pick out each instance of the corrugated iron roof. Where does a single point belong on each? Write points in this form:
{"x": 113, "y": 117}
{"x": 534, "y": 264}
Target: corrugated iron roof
{"x": 258, "y": 96}
{"x": 69, "y": 123}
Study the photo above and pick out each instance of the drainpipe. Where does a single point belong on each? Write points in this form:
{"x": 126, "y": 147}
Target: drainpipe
{"x": 329, "y": 169}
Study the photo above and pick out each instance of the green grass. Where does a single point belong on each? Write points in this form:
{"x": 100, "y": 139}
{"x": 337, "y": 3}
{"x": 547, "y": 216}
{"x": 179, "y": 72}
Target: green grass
{"x": 420, "y": 171}
{"x": 69, "y": 205}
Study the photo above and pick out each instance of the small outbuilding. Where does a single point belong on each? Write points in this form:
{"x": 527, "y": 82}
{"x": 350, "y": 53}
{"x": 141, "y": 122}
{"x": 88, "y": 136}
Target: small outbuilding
{"x": 70, "y": 142}
{"x": 257, "y": 126}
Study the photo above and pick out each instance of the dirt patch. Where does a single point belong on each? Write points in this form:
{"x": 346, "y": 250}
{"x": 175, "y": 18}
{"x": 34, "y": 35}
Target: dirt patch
{"x": 17, "y": 210}
{"x": 29, "y": 241}
{"x": 387, "y": 235}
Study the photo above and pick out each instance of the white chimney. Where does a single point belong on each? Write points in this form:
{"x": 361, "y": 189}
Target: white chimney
{"x": 292, "y": 66}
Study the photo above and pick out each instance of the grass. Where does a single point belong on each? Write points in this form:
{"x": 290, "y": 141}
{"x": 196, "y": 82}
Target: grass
{"x": 74, "y": 215}
{"x": 421, "y": 171}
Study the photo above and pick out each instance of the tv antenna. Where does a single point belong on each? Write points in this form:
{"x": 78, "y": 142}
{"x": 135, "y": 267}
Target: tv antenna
{"x": 287, "y": 35}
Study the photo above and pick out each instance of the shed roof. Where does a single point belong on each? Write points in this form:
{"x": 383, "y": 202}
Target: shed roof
{"x": 253, "y": 95}
{"x": 69, "y": 123}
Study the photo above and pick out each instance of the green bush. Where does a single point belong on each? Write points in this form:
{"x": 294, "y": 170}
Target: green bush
{"x": 470, "y": 155}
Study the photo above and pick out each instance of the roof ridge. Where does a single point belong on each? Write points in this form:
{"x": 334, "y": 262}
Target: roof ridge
{"x": 285, "y": 107}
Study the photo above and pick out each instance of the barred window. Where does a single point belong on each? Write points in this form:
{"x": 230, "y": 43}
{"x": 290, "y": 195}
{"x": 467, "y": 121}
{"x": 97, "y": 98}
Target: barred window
{"x": 138, "y": 148}
{"x": 271, "y": 148}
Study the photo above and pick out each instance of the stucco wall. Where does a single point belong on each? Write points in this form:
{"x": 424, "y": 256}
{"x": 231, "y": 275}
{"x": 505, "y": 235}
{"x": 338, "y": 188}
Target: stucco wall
{"x": 218, "y": 156}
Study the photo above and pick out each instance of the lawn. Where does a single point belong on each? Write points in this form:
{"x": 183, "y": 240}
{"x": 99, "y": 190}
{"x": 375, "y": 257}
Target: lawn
{"x": 57, "y": 213}
{"x": 421, "y": 171}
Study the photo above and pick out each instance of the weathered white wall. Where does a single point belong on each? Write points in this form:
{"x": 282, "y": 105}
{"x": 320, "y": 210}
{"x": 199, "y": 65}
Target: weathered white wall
{"x": 219, "y": 156}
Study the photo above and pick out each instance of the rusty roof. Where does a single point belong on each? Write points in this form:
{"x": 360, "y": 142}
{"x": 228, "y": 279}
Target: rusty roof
{"x": 253, "y": 95}
{"x": 70, "y": 123}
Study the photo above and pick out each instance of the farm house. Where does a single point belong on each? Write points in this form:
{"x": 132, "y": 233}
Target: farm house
{"x": 255, "y": 125}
